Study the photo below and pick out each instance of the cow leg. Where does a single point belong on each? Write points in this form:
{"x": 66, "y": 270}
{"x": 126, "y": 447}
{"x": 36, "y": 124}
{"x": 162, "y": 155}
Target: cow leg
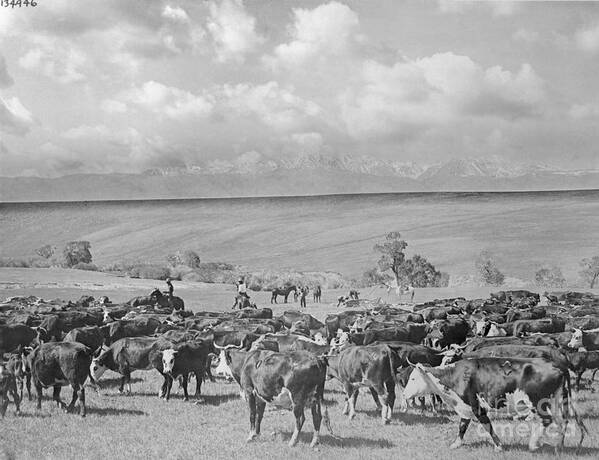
{"x": 123, "y": 380}
{"x": 464, "y": 422}
{"x": 73, "y": 398}
{"x": 375, "y": 397}
{"x": 352, "y": 402}
{"x": 38, "y": 389}
{"x": 300, "y": 418}
{"x": 169, "y": 386}
{"x": 28, "y": 385}
{"x": 316, "y": 421}
{"x": 198, "y": 373}
{"x": 251, "y": 399}
{"x": 82, "y": 401}
{"x": 56, "y": 396}
{"x": 260, "y": 406}
{"x": 483, "y": 418}
{"x": 3, "y": 404}
{"x": 390, "y": 396}
{"x": 348, "y": 393}
{"x": 579, "y": 378}
{"x": 185, "y": 378}
{"x": 162, "y": 391}
{"x": 16, "y": 397}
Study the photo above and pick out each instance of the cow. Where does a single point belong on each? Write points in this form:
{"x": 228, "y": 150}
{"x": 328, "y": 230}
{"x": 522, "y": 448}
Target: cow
{"x": 291, "y": 380}
{"x": 584, "y": 322}
{"x": 90, "y": 336}
{"x": 588, "y": 340}
{"x": 140, "y": 326}
{"x": 409, "y": 332}
{"x": 15, "y": 366}
{"x": 13, "y": 336}
{"x": 548, "y": 325}
{"x": 476, "y": 343}
{"x": 473, "y": 386}
{"x": 55, "y": 364}
{"x": 8, "y": 384}
{"x": 447, "y": 332}
{"x": 485, "y": 328}
{"x": 341, "y": 321}
{"x": 181, "y": 360}
{"x": 370, "y": 366}
{"x": 515, "y": 314}
{"x": 262, "y": 313}
{"x": 124, "y": 356}
{"x": 580, "y": 361}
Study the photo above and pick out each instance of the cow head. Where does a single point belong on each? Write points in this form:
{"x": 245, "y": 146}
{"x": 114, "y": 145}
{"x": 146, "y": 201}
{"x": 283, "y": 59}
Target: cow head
{"x": 96, "y": 368}
{"x": 222, "y": 368}
{"x": 495, "y": 330}
{"x": 319, "y": 339}
{"x": 576, "y": 340}
{"x": 339, "y": 341}
{"x": 481, "y": 327}
{"x": 168, "y": 360}
{"x": 417, "y": 384}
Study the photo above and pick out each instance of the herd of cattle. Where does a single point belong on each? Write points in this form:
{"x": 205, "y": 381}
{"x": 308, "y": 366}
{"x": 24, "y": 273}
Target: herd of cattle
{"x": 511, "y": 349}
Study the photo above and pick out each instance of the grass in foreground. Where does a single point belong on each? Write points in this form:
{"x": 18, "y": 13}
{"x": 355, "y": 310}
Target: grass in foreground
{"x": 143, "y": 426}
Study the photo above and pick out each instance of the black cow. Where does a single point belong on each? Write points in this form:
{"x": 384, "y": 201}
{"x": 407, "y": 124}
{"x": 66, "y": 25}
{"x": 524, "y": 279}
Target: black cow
{"x": 341, "y": 321}
{"x": 409, "y": 332}
{"x": 515, "y": 314}
{"x": 56, "y": 364}
{"x": 580, "y": 361}
{"x": 477, "y": 343}
{"x": 90, "y": 336}
{"x": 182, "y": 359}
{"x": 371, "y": 366}
{"x": 13, "y": 336}
{"x": 140, "y": 326}
{"x": 124, "y": 356}
{"x": 548, "y": 325}
{"x": 447, "y": 332}
{"x": 291, "y": 380}
{"x": 472, "y": 386}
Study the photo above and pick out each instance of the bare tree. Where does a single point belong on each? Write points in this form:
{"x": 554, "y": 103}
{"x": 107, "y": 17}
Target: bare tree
{"x": 590, "y": 270}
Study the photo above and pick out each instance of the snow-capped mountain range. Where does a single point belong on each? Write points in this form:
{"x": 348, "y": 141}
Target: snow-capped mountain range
{"x": 256, "y": 164}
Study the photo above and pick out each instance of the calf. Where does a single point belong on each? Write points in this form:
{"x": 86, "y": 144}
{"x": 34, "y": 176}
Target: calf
{"x": 8, "y": 384}
{"x": 55, "y": 364}
{"x": 124, "y": 356}
{"x": 291, "y": 380}
{"x": 370, "y": 366}
{"x": 13, "y": 336}
{"x": 15, "y": 366}
{"x": 447, "y": 332}
{"x": 473, "y": 386}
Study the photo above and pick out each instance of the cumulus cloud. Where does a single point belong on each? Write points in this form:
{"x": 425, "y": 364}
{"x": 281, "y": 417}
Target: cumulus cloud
{"x": 113, "y": 106}
{"x": 14, "y": 117}
{"x": 277, "y": 107}
{"x": 323, "y": 31}
{"x": 581, "y": 111}
{"x": 173, "y": 102}
{"x": 55, "y": 59}
{"x": 587, "y": 39}
{"x": 233, "y": 30}
{"x": 5, "y": 79}
{"x": 414, "y": 94}
{"x": 526, "y": 36}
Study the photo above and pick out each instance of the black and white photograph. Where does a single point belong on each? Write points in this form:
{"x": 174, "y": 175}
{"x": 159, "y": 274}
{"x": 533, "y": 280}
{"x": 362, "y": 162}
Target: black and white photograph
{"x": 299, "y": 229}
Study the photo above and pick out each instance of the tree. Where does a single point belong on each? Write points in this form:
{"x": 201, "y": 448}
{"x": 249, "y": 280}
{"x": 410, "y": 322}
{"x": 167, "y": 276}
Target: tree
{"x": 419, "y": 272}
{"x": 46, "y": 251}
{"x": 487, "y": 269}
{"x": 77, "y": 251}
{"x": 590, "y": 270}
{"x": 187, "y": 257}
{"x": 550, "y": 277}
{"x": 374, "y": 277}
{"x": 392, "y": 254}
{"x": 415, "y": 271}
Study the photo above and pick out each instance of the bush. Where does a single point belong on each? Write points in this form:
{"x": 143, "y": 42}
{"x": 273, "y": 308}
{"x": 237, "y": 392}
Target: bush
{"x": 24, "y": 262}
{"x": 46, "y": 251}
{"x": 75, "y": 252}
{"x": 550, "y": 277}
{"x": 178, "y": 272}
{"x": 148, "y": 271}
{"x": 187, "y": 257}
{"x": 487, "y": 269}
{"x": 374, "y": 277}
{"x": 85, "y": 266}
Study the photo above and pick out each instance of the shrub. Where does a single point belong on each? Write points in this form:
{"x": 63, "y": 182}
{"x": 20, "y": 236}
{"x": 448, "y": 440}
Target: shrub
{"x": 487, "y": 269}
{"x": 149, "y": 271}
{"x": 46, "y": 251}
{"x": 590, "y": 271}
{"x": 24, "y": 262}
{"x": 374, "y": 277}
{"x": 550, "y": 277}
{"x": 178, "y": 272}
{"x": 85, "y": 266}
{"x": 187, "y": 257}
{"x": 77, "y": 251}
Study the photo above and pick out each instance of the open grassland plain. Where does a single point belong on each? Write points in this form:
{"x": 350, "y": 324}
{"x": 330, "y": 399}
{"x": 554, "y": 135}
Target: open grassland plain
{"x": 523, "y": 230}
{"x": 144, "y": 426}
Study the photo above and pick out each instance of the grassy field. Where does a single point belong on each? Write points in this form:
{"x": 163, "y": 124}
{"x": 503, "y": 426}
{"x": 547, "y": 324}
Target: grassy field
{"x": 142, "y": 426}
{"x": 322, "y": 233}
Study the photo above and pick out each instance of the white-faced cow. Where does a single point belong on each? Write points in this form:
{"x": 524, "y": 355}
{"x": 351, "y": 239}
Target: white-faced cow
{"x": 473, "y": 386}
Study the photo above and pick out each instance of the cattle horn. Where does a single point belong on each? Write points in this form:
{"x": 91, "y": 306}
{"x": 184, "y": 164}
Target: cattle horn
{"x": 410, "y": 362}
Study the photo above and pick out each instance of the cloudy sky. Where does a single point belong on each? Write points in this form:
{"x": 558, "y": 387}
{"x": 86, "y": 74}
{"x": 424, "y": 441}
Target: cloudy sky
{"x": 122, "y": 86}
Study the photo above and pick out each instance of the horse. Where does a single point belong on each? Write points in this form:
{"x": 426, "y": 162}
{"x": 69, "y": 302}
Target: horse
{"x": 156, "y": 297}
{"x": 242, "y": 302}
{"x": 400, "y": 290}
{"x": 284, "y": 291}
{"x": 317, "y": 293}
